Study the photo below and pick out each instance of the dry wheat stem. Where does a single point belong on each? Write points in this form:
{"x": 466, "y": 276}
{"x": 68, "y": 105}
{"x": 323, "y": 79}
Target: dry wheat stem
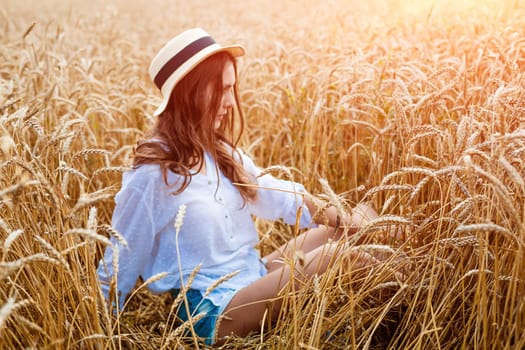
{"x": 359, "y": 103}
{"x": 9, "y": 308}
{"x": 89, "y": 233}
{"x": 490, "y": 227}
{"x": 9, "y": 240}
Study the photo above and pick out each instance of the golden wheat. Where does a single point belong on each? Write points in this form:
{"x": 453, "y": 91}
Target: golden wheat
{"x": 417, "y": 108}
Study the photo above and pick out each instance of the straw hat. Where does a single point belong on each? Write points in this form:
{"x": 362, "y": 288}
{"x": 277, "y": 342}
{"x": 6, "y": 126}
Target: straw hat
{"x": 179, "y": 56}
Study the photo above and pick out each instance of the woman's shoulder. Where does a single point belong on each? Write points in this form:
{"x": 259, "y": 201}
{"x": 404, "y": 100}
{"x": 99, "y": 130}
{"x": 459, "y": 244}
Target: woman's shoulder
{"x": 142, "y": 176}
{"x": 149, "y": 177}
{"x": 245, "y": 159}
{"x": 143, "y": 169}
{"x": 237, "y": 153}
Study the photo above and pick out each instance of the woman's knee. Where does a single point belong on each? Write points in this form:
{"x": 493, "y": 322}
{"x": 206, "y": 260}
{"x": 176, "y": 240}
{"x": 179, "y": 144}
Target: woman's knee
{"x": 321, "y": 258}
{"x": 332, "y": 253}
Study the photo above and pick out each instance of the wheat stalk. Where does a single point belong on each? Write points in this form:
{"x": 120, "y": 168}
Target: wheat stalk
{"x": 9, "y": 240}
{"x": 59, "y": 256}
{"x": 511, "y": 170}
{"x": 9, "y": 307}
{"x": 73, "y": 171}
{"x": 86, "y": 199}
{"x": 14, "y": 188}
{"x": 408, "y": 170}
{"x": 490, "y": 227}
{"x": 383, "y": 188}
{"x": 113, "y": 232}
{"x": 219, "y": 282}
{"x": 359, "y": 103}
{"x": 9, "y": 267}
{"x": 501, "y": 191}
{"x": 90, "y": 233}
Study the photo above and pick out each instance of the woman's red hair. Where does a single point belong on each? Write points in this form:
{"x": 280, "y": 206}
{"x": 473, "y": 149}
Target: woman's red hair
{"x": 186, "y": 129}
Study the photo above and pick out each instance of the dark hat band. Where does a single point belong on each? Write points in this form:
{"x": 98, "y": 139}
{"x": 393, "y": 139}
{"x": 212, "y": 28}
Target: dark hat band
{"x": 180, "y": 58}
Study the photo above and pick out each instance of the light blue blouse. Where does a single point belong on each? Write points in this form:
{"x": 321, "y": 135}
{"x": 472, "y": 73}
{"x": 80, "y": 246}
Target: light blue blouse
{"x": 218, "y": 232}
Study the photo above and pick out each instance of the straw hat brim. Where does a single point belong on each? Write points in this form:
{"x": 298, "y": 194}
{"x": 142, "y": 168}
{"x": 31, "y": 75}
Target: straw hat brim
{"x": 189, "y": 65}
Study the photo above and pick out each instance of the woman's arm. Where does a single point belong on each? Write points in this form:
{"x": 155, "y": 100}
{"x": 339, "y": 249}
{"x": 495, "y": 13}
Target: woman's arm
{"x": 359, "y": 216}
{"x": 133, "y": 219}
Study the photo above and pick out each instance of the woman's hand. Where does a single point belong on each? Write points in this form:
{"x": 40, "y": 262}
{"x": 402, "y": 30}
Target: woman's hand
{"x": 358, "y": 217}
{"x": 350, "y": 223}
{"x": 362, "y": 214}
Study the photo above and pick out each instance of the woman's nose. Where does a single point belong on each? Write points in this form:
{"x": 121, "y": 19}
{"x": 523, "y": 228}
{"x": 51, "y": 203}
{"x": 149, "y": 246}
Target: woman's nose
{"x": 229, "y": 100}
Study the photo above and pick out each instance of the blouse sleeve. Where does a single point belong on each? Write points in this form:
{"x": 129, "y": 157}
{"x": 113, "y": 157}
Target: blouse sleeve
{"x": 276, "y": 198}
{"x": 133, "y": 219}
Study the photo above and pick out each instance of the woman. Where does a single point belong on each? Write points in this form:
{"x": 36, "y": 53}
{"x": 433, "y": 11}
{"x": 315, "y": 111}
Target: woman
{"x": 190, "y": 163}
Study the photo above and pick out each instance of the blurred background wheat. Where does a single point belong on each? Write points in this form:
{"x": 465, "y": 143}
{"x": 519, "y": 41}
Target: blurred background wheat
{"x": 417, "y": 109}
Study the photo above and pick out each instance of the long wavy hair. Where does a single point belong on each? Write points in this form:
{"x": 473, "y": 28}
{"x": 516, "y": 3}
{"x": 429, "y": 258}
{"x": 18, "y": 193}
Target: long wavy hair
{"x": 185, "y": 130}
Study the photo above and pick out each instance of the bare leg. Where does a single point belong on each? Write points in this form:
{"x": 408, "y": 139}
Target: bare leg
{"x": 362, "y": 214}
{"x": 304, "y": 243}
{"x": 248, "y": 307}
{"x": 318, "y": 248}
{"x": 311, "y": 239}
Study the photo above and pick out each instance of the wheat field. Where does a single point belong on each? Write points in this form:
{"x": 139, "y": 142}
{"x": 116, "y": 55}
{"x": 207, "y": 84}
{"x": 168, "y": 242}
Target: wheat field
{"x": 417, "y": 109}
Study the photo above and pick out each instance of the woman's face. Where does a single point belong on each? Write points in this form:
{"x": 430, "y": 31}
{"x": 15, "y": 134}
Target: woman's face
{"x": 228, "y": 97}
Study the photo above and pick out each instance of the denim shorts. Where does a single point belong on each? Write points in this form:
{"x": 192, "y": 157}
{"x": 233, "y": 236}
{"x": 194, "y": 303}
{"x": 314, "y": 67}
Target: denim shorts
{"x": 206, "y": 327}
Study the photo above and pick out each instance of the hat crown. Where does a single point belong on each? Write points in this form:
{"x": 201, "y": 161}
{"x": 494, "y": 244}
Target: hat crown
{"x": 174, "y": 46}
{"x": 182, "y": 54}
